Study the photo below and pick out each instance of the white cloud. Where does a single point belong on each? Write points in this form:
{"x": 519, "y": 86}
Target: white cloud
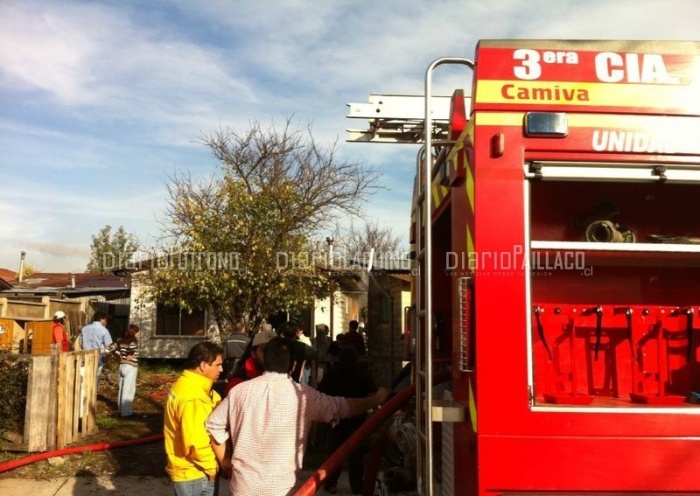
{"x": 40, "y": 49}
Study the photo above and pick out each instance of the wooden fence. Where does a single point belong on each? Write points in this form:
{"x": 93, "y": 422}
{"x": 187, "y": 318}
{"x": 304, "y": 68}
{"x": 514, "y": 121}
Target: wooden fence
{"x": 61, "y": 401}
{"x": 77, "y": 396}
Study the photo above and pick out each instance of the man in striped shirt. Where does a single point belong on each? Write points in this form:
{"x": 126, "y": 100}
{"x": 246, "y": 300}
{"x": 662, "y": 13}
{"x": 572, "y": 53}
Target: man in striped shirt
{"x": 268, "y": 419}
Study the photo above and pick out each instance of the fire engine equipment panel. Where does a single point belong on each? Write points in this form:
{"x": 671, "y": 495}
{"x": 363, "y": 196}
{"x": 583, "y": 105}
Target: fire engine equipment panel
{"x": 614, "y": 320}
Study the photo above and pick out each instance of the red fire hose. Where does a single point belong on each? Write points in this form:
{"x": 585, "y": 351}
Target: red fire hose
{"x": 335, "y": 461}
{"x": 20, "y": 462}
{"x": 374, "y": 460}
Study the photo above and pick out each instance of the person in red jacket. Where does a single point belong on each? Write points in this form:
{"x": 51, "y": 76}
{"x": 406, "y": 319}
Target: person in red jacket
{"x": 59, "y": 337}
{"x": 251, "y": 365}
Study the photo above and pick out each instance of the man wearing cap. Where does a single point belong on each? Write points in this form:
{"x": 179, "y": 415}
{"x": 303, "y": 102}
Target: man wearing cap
{"x": 253, "y": 364}
{"x": 267, "y": 421}
{"x": 59, "y": 337}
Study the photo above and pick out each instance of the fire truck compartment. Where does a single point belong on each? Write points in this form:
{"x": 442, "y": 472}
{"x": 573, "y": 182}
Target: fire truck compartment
{"x": 614, "y": 323}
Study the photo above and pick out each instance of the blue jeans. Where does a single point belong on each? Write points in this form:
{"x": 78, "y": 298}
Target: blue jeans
{"x": 100, "y": 365}
{"x": 305, "y": 376}
{"x": 197, "y": 487}
{"x": 127, "y": 389}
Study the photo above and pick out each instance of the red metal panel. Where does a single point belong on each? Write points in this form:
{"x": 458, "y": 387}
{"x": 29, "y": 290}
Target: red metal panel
{"x": 586, "y": 464}
{"x": 499, "y": 282}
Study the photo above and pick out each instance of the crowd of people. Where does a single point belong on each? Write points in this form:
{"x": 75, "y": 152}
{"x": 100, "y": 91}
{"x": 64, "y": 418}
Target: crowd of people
{"x": 256, "y": 435}
{"x": 254, "y": 432}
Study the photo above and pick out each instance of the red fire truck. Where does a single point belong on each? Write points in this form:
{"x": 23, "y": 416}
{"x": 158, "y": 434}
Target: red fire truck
{"x": 556, "y": 234}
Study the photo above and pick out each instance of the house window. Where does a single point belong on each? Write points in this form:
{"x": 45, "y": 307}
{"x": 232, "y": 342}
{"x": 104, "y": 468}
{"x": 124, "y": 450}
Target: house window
{"x": 175, "y": 321}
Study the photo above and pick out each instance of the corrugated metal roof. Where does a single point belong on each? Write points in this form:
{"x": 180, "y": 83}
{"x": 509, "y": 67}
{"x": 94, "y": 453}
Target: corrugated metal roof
{"x": 389, "y": 265}
{"x": 70, "y": 285}
{"x": 7, "y": 274}
{"x": 351, "y": 283}
{"x": 65, "y": 280}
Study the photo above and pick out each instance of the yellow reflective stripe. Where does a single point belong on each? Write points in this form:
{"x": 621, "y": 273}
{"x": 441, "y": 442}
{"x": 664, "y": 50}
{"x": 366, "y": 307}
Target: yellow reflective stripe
{"x": 499, "y": 119}
{"x": 588, "y": 94}
{"x": 439, "y": 192}
{"x": 469, "y": 186}
{"x": 470, "y": 241}
{"x": 435, "y": 193}
{"x": 472, "y": 406}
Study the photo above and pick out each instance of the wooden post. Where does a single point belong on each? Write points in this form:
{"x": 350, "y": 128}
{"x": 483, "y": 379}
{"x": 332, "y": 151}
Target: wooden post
{"x": 90, "y": 400}
{"x": 38, "y": 415}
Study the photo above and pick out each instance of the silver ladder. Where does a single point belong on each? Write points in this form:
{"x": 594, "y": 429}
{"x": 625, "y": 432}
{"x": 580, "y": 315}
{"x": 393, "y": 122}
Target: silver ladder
{"x": 399, "y": 119}
{"x": 426, "y": 406}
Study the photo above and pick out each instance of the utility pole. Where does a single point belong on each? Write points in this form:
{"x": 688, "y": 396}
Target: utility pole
{"x": 330, "y": 241}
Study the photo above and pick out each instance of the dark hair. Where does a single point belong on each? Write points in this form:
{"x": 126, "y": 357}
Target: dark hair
{"x": 129, "y": 335}
{"x": 354, "y": 325}
{"x": 321, "y": 330}
{"x": 206, "y": 351}
{"x": 277, "y": 356}
{"x": 290, "y": 328}
{"x": 97, "y": 316}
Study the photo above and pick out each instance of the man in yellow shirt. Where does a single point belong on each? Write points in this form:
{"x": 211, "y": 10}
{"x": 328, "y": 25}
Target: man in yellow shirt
{"x": 192, "y": 466}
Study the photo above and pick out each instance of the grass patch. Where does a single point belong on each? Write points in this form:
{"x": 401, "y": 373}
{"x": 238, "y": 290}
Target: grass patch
{"x": 6, "y": 456}
{"x": 161, "y": 367}
{"x": 106, "y": 422}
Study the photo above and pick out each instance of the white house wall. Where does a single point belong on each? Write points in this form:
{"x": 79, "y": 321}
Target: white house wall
{"x": 143, "y": 314}
{"x": 322, "y": 314}
{"x": 346, "y": 307}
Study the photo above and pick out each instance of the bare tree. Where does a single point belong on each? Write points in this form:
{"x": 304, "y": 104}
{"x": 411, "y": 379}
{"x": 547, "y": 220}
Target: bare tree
{"x": 275, "y": 191}
{"x": 371, "y": 236}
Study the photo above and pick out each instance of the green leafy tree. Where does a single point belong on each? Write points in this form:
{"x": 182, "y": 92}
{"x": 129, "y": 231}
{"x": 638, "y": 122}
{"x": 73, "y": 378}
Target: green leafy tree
{"x": 109, "y": 250}
{"x": 240, "y": 243}
{"x": 28, "y": 270}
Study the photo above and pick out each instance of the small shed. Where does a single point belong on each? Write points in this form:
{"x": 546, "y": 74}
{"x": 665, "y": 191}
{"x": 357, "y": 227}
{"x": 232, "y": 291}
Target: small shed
{"x": 38, "y": 296}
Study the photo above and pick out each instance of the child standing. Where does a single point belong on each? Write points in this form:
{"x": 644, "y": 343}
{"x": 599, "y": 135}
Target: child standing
{"x": 128, "y": 348}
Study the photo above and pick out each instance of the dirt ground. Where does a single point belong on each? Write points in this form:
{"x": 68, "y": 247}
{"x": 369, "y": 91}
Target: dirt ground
{"x": 147, "y": 459}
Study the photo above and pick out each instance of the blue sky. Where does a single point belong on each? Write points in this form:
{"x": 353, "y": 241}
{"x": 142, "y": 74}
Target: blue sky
{"x": 101, "y": 101}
